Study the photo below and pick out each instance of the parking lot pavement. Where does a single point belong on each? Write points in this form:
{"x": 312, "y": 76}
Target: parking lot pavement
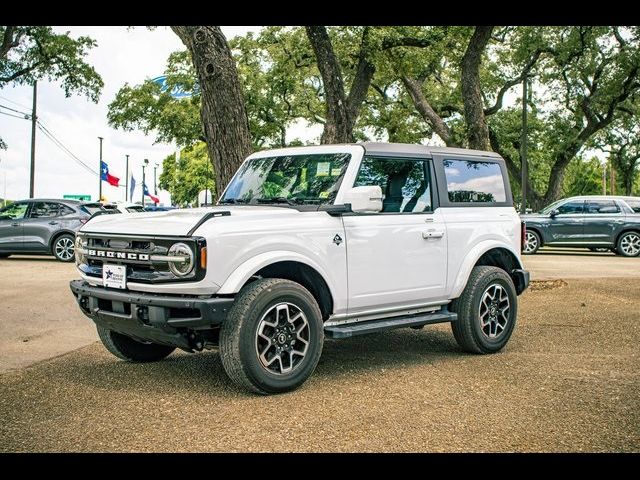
{"x": 39, "y": 318}
{"x": 569, "y": 380}
{"x": 564, "y": 263}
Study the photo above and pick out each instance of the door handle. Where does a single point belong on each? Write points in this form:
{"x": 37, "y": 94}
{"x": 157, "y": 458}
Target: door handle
{"x": 53, "y": 222}
{"x": 432, "y": 234}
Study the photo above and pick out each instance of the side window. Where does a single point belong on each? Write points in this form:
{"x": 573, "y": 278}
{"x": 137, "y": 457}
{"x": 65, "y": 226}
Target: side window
{"x": 44, "y": 210}
{"x": 602, "y": 206}
{"x": 405, "y": 183}
{"x": 634, "y": 204}
{"x": 576, "y": 207}
{"x": 470, "y": 181}
{"x": 64, "y": 210}
{"x": 15, "y": 211}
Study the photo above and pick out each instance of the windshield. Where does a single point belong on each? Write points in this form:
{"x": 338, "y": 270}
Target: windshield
{"x": 291, "y": 179}
{"x": 553, "y": 206}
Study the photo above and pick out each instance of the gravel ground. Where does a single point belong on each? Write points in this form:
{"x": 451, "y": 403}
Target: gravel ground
{"x": 569, "y": 380}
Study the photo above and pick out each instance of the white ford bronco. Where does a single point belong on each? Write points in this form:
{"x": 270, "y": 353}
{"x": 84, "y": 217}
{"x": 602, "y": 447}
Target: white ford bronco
{"x": 311, "y": 243}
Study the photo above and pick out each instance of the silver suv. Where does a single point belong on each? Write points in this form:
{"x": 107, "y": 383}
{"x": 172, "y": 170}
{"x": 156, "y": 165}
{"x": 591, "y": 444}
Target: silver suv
{"x": 43, "y": 227}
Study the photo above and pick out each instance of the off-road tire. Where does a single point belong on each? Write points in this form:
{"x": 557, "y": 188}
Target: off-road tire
{"x": 126, "y": 348}
{"x": 467, "y": 329}
{"x": 238, "y": 336}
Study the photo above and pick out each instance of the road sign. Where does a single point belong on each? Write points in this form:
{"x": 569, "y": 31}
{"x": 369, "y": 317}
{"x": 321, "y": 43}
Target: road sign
{"x": 82, "y": 198}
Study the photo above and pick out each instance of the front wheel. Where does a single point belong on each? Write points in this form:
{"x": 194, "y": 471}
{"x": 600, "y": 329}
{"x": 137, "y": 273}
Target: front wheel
{"x": 629, "y": 244}
{"x": 63, "y": 248}
{"x": 487, "y": 311}
{"x": 531, "y": 243}
{"x": 126, "y": 348}
{"x": 272, "y": 339}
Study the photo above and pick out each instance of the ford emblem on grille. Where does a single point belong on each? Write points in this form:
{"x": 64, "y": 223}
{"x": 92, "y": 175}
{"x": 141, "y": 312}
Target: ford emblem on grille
{"x": 118, "y": 255}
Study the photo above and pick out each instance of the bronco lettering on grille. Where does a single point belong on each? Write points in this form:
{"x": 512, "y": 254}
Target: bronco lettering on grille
{"x": 118, "y": 255}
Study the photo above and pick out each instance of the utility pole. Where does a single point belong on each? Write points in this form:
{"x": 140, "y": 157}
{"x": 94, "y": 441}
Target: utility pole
{"x": 146, "y": 162}
{"x": 523, "y": 147}
{"x": 126, "y": 181}
{"x": 613, "y": 178}
{"x": 34, "y": 119}
{"x": 100, "y": 173}
{"x": 4, "y": 196}
{"x": 604, "y": 178}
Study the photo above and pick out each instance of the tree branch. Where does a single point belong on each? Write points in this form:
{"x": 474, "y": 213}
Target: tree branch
{"x": 414, "y": 88}
{"x": 362, "y": 80}
{"x": 511, "y": 83}
{"x": 8, "y": 42}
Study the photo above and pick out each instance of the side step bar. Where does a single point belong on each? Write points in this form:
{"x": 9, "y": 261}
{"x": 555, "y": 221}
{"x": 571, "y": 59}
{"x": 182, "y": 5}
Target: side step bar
{"x": 373, "y": 326}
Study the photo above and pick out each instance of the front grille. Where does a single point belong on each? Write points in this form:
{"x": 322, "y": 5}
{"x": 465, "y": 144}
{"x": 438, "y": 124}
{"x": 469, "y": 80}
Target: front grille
{"x": 136, "y": 254}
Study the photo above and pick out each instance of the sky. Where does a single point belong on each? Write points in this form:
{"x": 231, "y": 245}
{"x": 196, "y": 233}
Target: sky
{"x": 122, "y": 56}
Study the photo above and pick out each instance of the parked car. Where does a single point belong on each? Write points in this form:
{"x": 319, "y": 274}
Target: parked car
{"x": 125, "y": 207}
{"x": 43, "y": 226}
{"x": 590, "y": 221}
{"x": 306, "y": 243}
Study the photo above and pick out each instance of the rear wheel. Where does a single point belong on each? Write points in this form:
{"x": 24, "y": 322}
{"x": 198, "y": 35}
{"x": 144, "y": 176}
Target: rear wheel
{"x": 131, "y": 350}
{"x": 272, "y": 339}
{"x": 63, "y": 248}
{"x": 487, "y": 311}
{"x": 629, "y": 244}
{"x": 531, "y": 242}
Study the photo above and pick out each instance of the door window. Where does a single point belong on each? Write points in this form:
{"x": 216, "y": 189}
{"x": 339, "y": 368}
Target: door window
{"x": 576, "y": 207}
{"x": 405, "y": 183}
{"x": 45, "y": 210}
{"x": 474, "y": 181}
{"x": 602, "y": 207}
{"x": 15, "y": 211}
{"x": 64, "y": 210}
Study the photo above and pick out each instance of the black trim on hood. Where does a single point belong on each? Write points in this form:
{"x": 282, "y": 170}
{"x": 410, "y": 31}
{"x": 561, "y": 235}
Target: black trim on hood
{"x": 208, "y": 216}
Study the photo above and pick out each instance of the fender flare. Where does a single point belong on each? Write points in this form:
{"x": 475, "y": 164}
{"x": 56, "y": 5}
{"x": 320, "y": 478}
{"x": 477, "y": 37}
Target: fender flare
{"x": 472, "y": 258}
{"x": 244, "y": 271}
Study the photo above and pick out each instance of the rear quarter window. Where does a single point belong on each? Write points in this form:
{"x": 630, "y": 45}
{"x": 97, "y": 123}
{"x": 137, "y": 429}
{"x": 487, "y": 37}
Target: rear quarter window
{"x": 471, "y": 181}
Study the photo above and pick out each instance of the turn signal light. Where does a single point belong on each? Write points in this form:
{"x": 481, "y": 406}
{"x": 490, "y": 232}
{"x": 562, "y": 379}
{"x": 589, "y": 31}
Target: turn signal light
{"x": 203, "y": 258}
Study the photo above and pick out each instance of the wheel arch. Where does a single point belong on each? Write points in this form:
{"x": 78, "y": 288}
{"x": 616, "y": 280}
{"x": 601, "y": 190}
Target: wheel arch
{"x": 491, "y": 254}
{"x": 538, "y": 231}
{"x": 626, "y": 230}
{"x": 288, "y": 265}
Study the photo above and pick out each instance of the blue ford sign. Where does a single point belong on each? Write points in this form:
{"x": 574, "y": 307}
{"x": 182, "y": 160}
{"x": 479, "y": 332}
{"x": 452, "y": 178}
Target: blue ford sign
{"x": 177, "y": 91}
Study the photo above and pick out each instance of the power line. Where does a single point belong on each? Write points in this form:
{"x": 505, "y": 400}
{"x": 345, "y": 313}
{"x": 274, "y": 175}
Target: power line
{"x": 15, "y": 103}
{"x": 14, "y": 116}
{"x": 14, "y": 110}
{"x": 61, "y": 146}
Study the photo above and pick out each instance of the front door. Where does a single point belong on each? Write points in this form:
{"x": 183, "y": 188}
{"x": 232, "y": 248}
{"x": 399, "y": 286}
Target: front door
{"x": 568, "y": 225}
{"x": 11, "y": 225}
{"x": 397, "y": 257}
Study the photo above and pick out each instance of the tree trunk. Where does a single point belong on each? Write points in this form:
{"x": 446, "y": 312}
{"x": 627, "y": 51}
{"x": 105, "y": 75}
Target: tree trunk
{"x": 223, "y": 113}
{"x": 341, "y": 110}
{"x": 478, "y": 132}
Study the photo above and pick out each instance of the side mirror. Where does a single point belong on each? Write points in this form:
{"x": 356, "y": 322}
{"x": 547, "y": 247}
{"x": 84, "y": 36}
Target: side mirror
{"x": 364, "y": 199}
{"x": 553, "y": 213}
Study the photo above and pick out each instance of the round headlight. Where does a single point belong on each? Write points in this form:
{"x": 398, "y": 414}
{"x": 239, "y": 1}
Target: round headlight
{"x": 80, "y": 257}
{"x": 184, "y": 267}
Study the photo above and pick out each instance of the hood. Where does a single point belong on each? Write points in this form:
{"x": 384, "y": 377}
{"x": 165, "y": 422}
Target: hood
{"x": 533, "y": 216}
{"x": 175, "y": 222}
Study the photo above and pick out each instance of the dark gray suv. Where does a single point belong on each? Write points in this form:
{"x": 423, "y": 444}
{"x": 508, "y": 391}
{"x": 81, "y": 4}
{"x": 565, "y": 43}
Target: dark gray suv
{"x": 43, "y": 226}
{"x": 594, "y": 222}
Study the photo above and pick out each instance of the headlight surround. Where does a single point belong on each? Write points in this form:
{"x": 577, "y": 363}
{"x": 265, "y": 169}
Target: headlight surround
{"x": 184, "y": 268}
{"x": 80, "y": 251}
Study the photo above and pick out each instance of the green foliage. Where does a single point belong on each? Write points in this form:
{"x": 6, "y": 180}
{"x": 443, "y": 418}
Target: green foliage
{"x": 583, "y": 177}
{"x": 36, "y": 53}
{"x": 187, "y": 177}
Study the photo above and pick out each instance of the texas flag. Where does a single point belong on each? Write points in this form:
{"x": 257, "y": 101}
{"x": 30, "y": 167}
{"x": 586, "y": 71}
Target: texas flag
{"x": 146, "y": 192}
{"x": 106, "y": 176}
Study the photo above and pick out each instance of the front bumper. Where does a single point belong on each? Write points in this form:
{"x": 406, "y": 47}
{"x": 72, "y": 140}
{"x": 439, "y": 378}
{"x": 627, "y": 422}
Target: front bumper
{"x": 521, "y": 280}
{"x": 162, "y": 319}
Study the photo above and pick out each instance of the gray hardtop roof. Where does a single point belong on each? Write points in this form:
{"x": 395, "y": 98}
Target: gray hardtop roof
{"x": 427, "y": 150}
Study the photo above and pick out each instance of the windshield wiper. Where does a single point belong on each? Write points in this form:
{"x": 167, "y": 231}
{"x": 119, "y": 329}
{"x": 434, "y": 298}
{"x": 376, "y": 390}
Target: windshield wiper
{"x": 232, "y": 201}
{"x": 276, "y": 200}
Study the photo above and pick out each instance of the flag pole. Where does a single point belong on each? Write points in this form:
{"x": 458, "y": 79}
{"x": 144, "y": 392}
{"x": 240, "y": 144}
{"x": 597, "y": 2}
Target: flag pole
{"x": 100, "y": 173}
{"x": 126, "y": 181}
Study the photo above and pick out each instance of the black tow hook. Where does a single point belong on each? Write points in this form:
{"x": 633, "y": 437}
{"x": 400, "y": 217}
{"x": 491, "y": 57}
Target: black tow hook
{"x": 196, "y": 342}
